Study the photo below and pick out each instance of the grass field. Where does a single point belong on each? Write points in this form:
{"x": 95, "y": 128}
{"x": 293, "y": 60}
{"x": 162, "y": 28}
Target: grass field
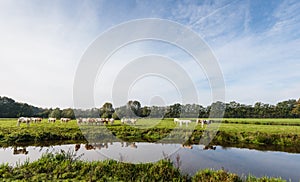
{"x": 285, "y": 133}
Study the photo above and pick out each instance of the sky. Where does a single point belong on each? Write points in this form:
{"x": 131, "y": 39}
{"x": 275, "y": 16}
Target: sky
{"x": 256, "y": 44}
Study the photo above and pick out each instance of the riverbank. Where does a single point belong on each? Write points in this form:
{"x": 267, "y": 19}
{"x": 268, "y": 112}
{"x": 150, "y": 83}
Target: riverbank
{"x": 66, "y": 166}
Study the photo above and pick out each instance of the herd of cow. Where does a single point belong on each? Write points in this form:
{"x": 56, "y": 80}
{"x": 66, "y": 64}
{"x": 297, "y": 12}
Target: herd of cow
{"x": 100, "y": 121}
{"x": 28, "y": 120}
{"x": 89, "y": 121}
{"x": 198, "y": 121}
{"x": 95, "y": 121}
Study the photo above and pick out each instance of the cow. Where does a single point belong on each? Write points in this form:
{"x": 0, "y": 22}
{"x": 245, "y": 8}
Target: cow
{"x": 36, "y": 120}
{"x": 129, "y": 121}
{"x": 65, "y": 120}
{"x": 51, "y": 120}
{"x": 111, "y": 120}
{"x": 176, "y": 120}
{"x": 23, "y": 120}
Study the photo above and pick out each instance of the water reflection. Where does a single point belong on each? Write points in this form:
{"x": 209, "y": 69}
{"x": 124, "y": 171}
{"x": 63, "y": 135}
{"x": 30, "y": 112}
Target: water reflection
{"x": 190, "y": 158}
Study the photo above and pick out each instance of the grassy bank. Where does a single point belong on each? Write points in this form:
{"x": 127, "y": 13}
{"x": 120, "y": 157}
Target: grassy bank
{"x": 65, "y": 166}
{"x": 151, "y": 131}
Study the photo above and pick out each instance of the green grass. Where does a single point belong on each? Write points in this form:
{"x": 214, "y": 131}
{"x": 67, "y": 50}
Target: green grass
{"x": 152, "y": 130}
{"x": 263, "y": 121}
{"x": 65, "y": 166}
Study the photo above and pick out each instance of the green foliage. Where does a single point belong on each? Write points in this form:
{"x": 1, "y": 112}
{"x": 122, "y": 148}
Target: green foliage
{"x": 285, "y": 109}
{"x": 215, "y": 176}
{"x": 56, "y": 113}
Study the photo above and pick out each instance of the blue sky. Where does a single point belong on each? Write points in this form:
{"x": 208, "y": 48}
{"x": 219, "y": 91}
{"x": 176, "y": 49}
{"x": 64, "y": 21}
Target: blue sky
{"x": 255, "y": 42}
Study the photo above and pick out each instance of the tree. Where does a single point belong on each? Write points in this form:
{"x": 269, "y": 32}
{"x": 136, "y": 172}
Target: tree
{"x": 296, "y": 109}
{"x": 107, "y": 110}
{"x": 68, "y": 113}
{"x": 56, "y": 113}
{"x": 145, "y": 111}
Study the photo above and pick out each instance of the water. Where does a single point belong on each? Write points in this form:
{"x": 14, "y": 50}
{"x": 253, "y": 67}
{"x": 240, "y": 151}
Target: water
{"x": 192, "y": 158}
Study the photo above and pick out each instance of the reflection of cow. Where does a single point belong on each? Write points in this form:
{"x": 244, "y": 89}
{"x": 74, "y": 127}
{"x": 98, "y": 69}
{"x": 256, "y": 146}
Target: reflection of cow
{"x": 77, "y": 147}
{"x": 209, "y": 147}
{"x": 101, "y": 145}
{"x": 187, "y": 146}
{"x": 20, "y": 151}
{"x": 130, "y": 144}
{"x": 23, "y": 120}
{"x": 89, "y": 147}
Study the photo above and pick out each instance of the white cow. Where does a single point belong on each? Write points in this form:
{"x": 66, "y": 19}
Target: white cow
{"x": 36, "y": 120}
{"x": 51, "y": 120}
{"x": 65, "y": 120}
{"x": 111, "y": 120}
{"x": 23, "y": 120}
{"x": 176, "y": 120}
{"x": 129, "y": 121}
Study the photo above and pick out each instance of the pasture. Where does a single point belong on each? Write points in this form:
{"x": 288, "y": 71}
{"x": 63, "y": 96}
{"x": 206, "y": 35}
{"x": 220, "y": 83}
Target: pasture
{"x": 285, "y": 132}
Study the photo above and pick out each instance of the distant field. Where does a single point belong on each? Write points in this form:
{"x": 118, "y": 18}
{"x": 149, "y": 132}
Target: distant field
{"x": 264, "y": 121}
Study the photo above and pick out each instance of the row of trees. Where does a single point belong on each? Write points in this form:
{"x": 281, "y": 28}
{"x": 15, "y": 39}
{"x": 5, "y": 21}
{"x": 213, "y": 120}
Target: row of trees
{"x": 286, "y": 109}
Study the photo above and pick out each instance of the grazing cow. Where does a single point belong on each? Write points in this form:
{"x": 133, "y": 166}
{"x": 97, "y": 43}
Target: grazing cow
{"x": 91, "y": 121}
{"x": 79, "y": 121}
{"x": 82, "y": 121}
{"x": 36, "y": 120}
{"x": 65, "y": 120}
{"x": 23, "y": 120}
{"x": 51, "y": 120}
{"x": 111, "y": 120}
{"x": 129, "y": 121}
{"x": 176, "y": 120}
{"x": 20, "y": 151}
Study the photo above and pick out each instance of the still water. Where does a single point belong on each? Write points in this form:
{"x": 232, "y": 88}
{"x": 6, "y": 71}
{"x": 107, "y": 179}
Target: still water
{"x": 191, "y": 158}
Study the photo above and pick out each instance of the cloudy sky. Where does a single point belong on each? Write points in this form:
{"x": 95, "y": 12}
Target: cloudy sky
{"x": 256, "y": 44}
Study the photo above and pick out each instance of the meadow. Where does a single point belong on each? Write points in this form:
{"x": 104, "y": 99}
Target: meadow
{"x": 285, "y": 132}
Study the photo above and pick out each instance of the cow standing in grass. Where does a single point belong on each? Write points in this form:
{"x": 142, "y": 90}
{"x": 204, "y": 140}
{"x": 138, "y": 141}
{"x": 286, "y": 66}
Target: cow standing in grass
{"x": 36, "y": 120}
{"x": 23, "y": 120}
{"x": 51, "y": 120}
{"x": 176, "y": 120}
{"x": 65, "y": 120}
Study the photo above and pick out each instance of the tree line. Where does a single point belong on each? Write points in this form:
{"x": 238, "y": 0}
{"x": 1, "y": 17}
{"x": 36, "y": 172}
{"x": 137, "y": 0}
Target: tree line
{"x": 285, "y": 109}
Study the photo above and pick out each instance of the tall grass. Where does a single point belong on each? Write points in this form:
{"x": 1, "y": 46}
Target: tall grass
{"x": 66, "y": 166}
